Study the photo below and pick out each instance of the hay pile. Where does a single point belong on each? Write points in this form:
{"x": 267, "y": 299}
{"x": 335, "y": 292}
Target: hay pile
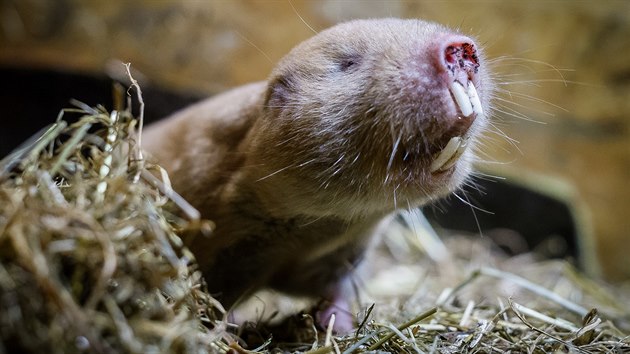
{"x": 91, "y": 261}
{"x": 89, "y": 258}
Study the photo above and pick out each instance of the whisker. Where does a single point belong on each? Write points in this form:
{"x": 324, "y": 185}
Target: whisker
{"x": 511, "y": 112}
{"x": 255, "y": 47}
{"x": 496, "y": 130}
{"x": 487, "y": 177}
{"x": 536, "y": 99}
{"x": 285, "y": 168}
{"x": 466, "y": 201}
{"x": 394, "y": 150}
{"x": 532, "y": 61}
{"x": 536, "y": 81}
{"x": 273, "y": 173}
{"x": 301, "y": 18}
{"x": 473, "y": 212}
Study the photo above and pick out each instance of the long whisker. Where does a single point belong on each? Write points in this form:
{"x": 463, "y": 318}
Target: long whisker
{"x": 285, "y": 168}
{"x": 531, "y": 61}
{"x": 535, "y": 99}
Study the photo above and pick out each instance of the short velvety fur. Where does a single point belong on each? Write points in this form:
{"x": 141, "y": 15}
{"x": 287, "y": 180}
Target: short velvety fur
{"x": 297, "y": 171}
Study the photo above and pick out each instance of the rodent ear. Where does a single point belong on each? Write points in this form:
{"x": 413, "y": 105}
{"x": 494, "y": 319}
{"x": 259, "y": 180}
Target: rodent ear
{"x": 278, "y": 92}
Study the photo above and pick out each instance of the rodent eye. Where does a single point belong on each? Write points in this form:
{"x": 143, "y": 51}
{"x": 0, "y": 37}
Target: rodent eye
{"x": 348, "y": 62}
{"x": 279, "y": 91}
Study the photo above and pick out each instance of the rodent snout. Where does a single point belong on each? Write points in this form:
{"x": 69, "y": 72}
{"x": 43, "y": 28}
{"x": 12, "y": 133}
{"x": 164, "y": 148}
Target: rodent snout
{"x": 459, "y": 58}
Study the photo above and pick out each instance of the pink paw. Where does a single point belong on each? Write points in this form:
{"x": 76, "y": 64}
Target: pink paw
{"x": 344, "y": 318}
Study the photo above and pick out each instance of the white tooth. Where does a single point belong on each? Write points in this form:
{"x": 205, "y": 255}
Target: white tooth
{"x": 450, "y": 163}
{"x": 464, "y": 142}
{"x": 446, "y": 154}
{"x": 453, "y": 160}
{"x": 462, "y": 99}
{"x": 460, "y": 150}
{"x": 474, "y": 99}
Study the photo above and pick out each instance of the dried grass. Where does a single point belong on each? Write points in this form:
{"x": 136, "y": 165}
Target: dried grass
{"x": 90, "y": 260}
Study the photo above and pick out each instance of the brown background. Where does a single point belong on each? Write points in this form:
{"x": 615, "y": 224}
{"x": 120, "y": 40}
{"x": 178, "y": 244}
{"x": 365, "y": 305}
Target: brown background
{"x": 564, "y": 64}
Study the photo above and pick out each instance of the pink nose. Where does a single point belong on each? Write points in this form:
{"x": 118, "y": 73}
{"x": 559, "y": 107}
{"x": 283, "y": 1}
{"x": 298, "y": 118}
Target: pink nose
{"x": 460, "y": 58}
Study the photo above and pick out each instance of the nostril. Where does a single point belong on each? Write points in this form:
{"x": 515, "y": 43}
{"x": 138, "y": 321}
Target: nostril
{"x": 450, "y": 55}
{"x": 469, "y": 57}
{"x": 461, "y": 58}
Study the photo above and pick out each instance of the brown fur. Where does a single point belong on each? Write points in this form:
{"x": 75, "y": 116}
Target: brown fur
{"x": 298, "y": 170}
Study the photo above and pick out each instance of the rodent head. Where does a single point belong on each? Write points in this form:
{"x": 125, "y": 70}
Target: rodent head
{"x": 359, "y": 114}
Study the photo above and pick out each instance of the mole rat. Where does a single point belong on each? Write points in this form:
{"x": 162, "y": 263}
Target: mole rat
{"x": 297, "y": 171}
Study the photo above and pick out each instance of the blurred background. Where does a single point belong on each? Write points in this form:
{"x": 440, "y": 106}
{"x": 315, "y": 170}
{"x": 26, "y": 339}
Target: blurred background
{"x": 563, "y": 72}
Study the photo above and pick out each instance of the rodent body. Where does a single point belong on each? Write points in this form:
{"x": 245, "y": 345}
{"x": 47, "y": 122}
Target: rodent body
{"x": 364, "y": 118}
